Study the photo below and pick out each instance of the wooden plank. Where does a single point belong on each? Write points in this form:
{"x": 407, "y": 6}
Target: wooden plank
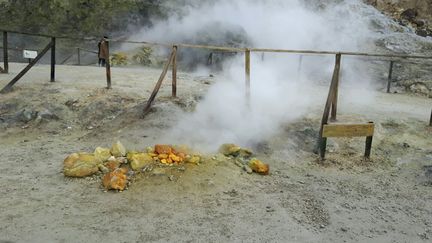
{"x": 348, "y": 130}
{"x": 8, "y": 87}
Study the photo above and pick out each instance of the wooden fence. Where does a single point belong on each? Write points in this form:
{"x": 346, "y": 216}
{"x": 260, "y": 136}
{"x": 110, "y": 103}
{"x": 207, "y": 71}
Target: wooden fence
{"x": 330, "y": 108}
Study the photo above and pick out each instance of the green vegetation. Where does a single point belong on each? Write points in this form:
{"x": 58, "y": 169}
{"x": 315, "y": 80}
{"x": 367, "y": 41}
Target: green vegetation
{"x": 79, "y": 17}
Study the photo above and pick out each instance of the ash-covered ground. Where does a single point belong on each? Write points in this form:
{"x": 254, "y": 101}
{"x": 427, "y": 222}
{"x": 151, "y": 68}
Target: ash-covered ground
{"x": 344, "y": 199}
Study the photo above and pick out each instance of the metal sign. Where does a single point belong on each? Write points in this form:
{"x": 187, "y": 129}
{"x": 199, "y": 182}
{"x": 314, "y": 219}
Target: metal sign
{"x": 30, "y": 54}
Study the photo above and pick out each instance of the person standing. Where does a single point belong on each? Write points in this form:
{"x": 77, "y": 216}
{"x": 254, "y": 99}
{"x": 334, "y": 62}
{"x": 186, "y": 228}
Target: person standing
{"x": 103, "y": 51}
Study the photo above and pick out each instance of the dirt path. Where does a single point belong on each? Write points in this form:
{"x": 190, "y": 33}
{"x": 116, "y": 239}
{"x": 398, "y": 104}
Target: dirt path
{"x": 344, "y": 200}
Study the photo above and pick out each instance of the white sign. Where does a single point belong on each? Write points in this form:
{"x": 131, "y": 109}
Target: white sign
{"x": 30, "y": 54}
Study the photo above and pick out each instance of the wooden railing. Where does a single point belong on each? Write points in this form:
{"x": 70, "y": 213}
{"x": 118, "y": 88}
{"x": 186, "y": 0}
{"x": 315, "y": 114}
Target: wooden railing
{"x": 332, "y": 99}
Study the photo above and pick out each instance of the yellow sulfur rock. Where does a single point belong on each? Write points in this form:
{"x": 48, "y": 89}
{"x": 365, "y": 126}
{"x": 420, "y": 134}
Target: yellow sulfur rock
{"x": 175, "y": 158}
{"x": 194, "y": 159}
{"x": 229, "y": 149}
{"x": 140, "y": 160}
{"x": 259, "y": 167}
{"x": 80, "y": 165}
{"x": 163, "y": 156}
{"x": 152, "y": 154}
{"x": 130, "y": 154}
{"x": 103, "y": 154}
{"x": 118, "y": 150}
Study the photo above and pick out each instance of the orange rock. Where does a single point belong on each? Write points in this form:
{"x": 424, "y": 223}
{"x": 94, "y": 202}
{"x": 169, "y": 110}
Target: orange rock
{"x": 116, "y": 180}
{"x": 163, "y": 149}
{"x": 259, "y": 167}
{"x": 112, "y": 165}
{"x": 163, "y": 156}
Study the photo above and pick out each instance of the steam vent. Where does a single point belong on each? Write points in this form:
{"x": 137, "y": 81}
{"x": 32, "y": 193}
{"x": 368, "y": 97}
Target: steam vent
{"x": 216, "y": 121}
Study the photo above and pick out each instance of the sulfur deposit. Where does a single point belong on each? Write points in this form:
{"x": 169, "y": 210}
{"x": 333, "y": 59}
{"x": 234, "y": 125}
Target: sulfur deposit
{"x": 117, "y": 165}
{"x": 114, "y": 163}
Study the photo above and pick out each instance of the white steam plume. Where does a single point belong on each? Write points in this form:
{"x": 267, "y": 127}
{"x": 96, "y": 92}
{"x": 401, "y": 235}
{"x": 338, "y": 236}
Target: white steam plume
{"x": 278, "y": 94}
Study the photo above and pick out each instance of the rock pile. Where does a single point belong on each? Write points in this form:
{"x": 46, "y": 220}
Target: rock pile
{"x": 243, "y": 158}
{"x": 117, "y": 165}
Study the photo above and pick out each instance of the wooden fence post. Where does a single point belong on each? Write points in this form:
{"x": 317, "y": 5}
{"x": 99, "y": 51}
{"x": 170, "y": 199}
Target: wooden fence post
{"x": 247, "y": 75}
{"x": 53, "y": 58}
{"x": 79, "y": 56}
{"x": 368, "y": 147}
{"x": 430, "y": 121}
{"x": 108, "y": 66}
{"x": 299, "y": 67}
{"x": 158, "y": 85}
{"x": 389, "y": 79}
{"x": 336, "y": 91}
{"x": 174, "y": 72}
{"x": 5, "y": 52}
{"x": 322, "y": 141}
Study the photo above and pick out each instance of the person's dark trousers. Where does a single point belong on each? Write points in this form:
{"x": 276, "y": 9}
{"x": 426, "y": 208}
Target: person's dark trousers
{"x": 102, "y": 62}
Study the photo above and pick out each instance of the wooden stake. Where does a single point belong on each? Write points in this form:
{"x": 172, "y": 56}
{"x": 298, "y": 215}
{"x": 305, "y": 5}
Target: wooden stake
{"x": 8, "y": 87}
{"x": 336, "y": 87}
{"x": 322, "y": 142}
{"x": 53, "y": 58}
{"x": 389, "y": 79}
{"x": 5, "y": 52}
{"x": 174, "y": 72}
{"x": 158, "y": 85}
{"x": 299, "y": 67}
{"x": 247, "y": 75}
{"x": 108, "y": 66}
{"x": 430, "y": 122}
{"x": 79, "y": 56}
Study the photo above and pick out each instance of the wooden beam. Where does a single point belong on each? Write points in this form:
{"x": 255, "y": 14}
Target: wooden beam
{"x": 430, "y": 121}
{"x": 158, "y": 85}
{"x": 368, "y": 147}
{"x": 322, "y": 141}
{"x": 348, "y": 130}
{"x": 174, "y": 72}
{"x": 247, "y": 75}
{"x": 79, "y": 56}
{"x": 299, "y": 67}
{"x": 389, "y": 79}
{"x": 336, "y": 87}
{"x": 53, "y": 58}
{"x": 108, "y": 66}
{"x": 8, "y": 87}
{"x": 5, "y": 52}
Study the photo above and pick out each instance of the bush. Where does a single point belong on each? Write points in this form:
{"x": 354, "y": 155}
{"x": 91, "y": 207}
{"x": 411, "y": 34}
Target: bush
{"x": 118, "y": 59}
{"x": 143, "y": 57}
